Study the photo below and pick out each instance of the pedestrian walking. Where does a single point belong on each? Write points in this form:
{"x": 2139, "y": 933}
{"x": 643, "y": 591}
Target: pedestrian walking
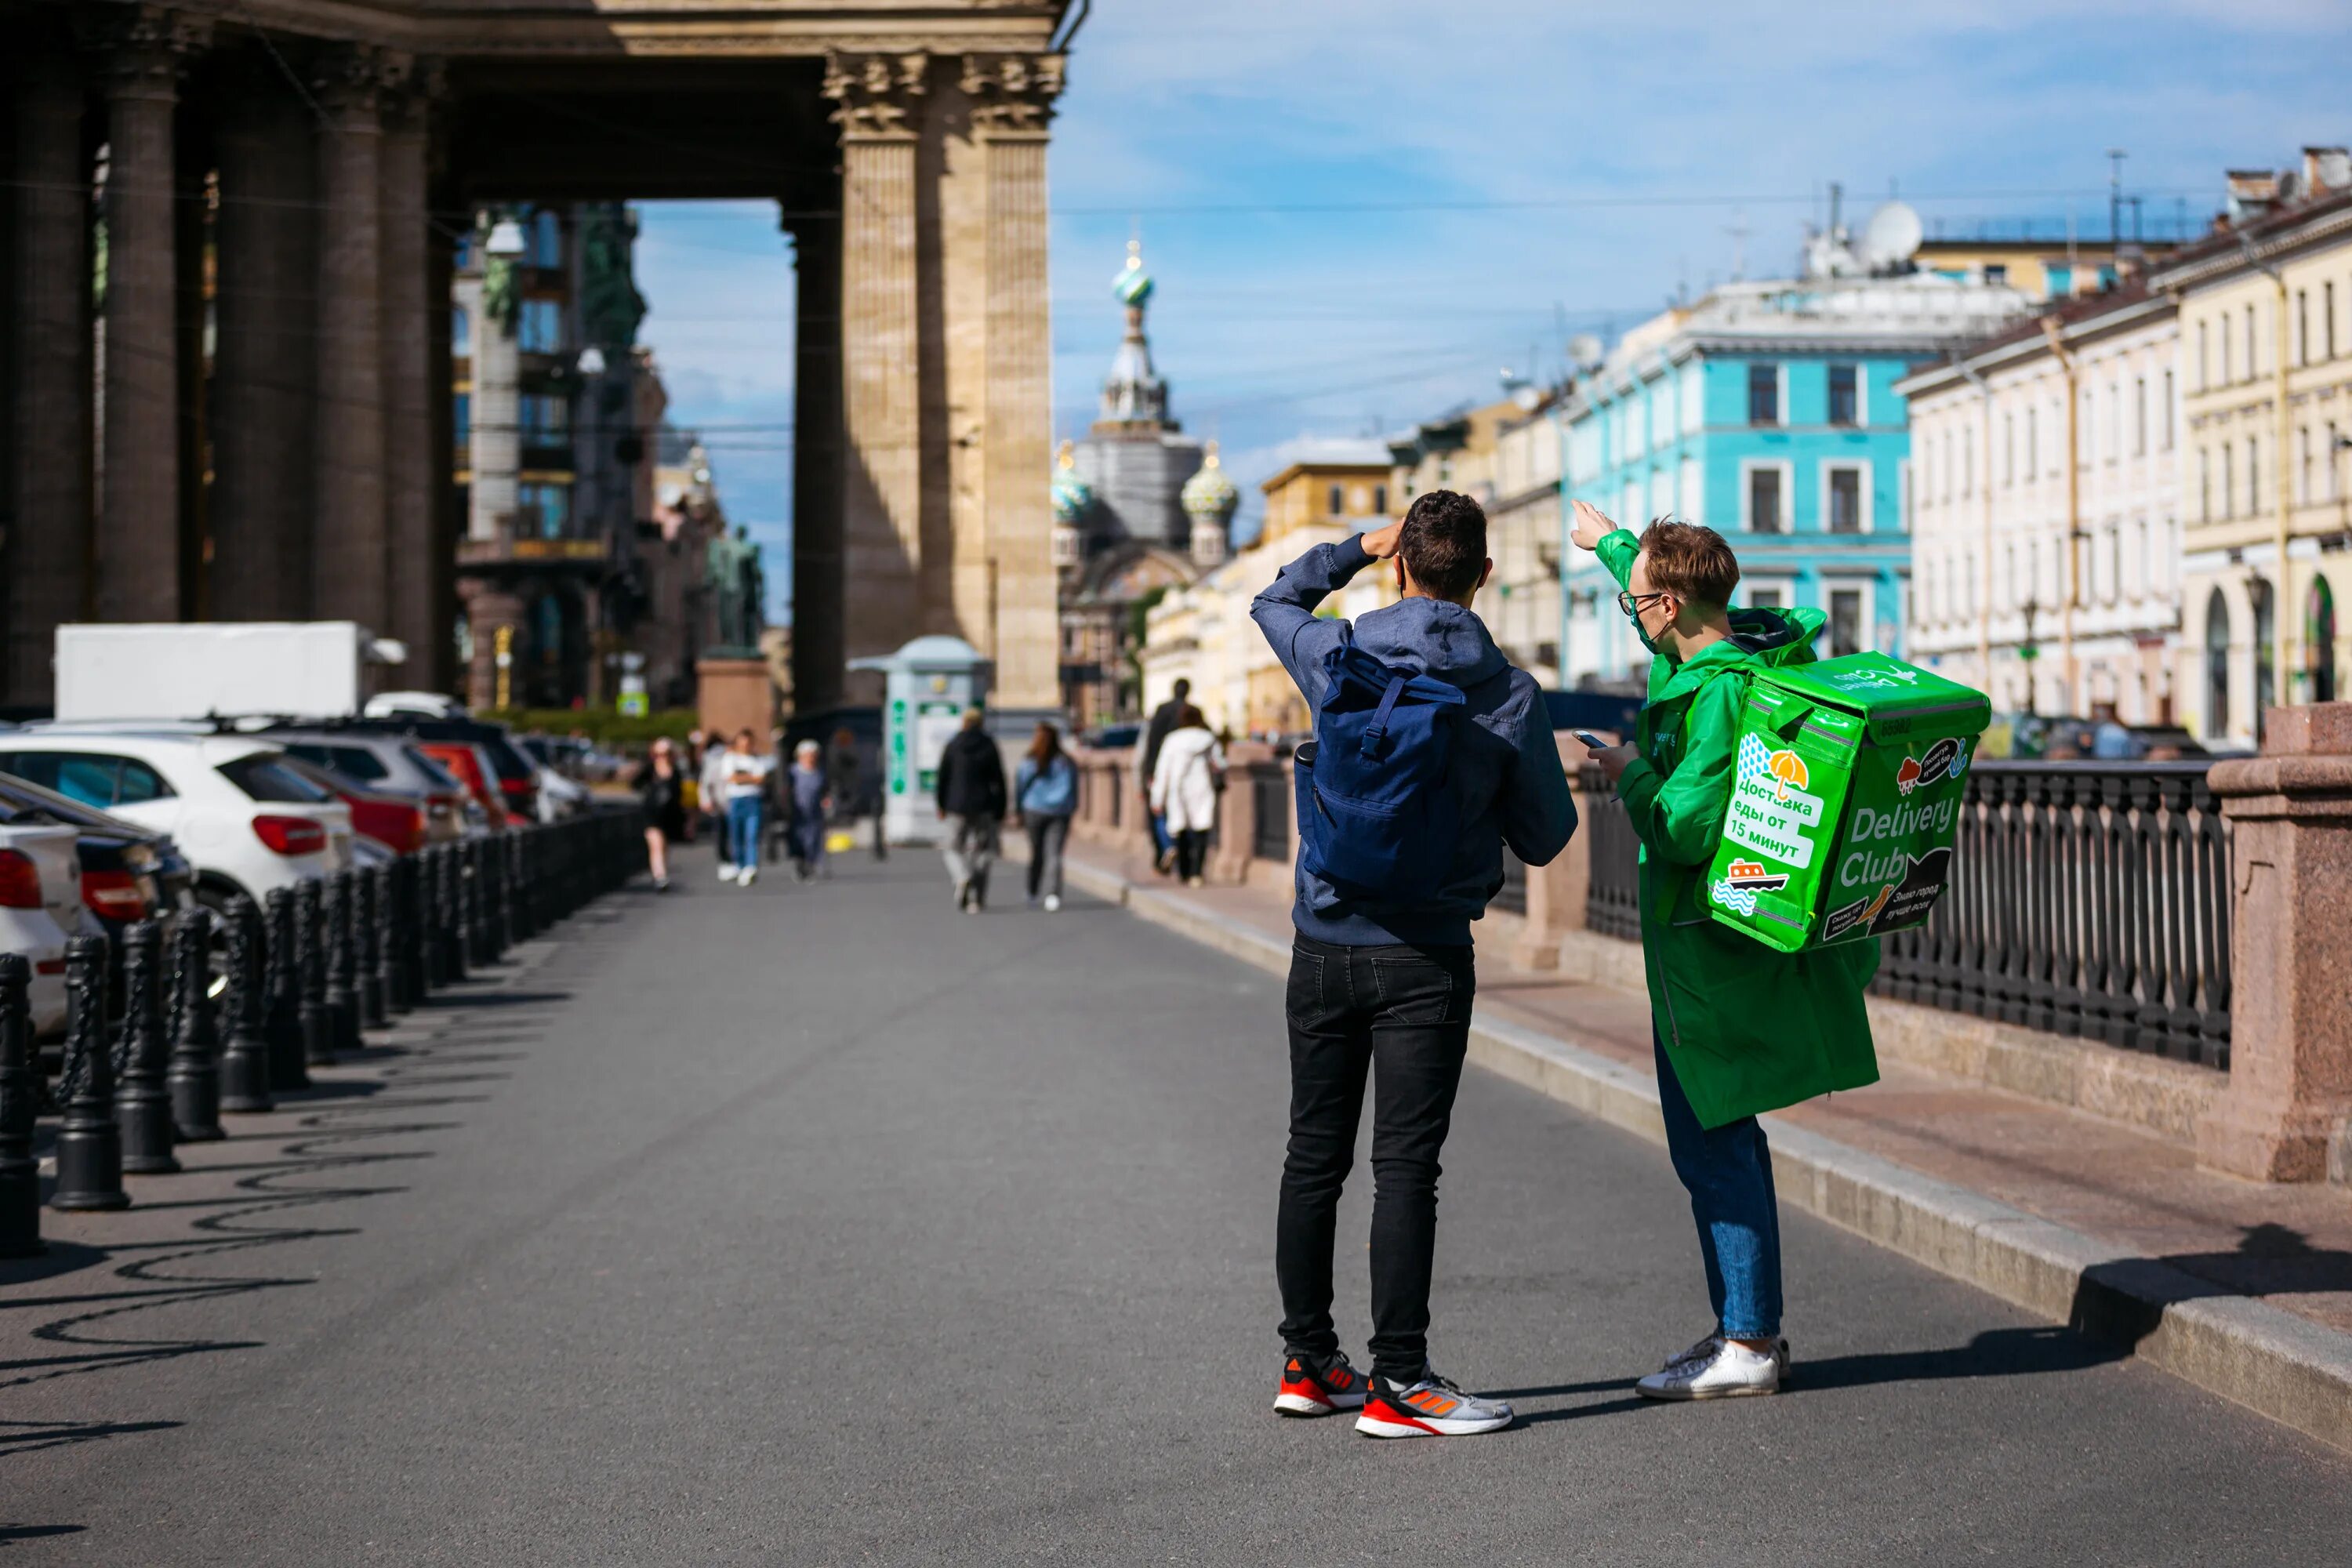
{"x": 691, "y": 759}
{"x": 845, "y": 780}
{"x": 1184, "y": 788}
{"x": 1431, "y": 753}
{"x": 1734, "y": 1024}
{"x": 743, "y": 779}
{"x": 661, "y": 792}
{"x": 713, "y": 795}
{"x": 971, "y": 797}
{"x": 1147, "y": 764}
{"x": 808, "y": 798}
{"x": 1045, "y": 789}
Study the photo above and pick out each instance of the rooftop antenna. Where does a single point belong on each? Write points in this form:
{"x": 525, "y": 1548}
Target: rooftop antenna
{"x": 1738, "y": 231}
{"x": 2115, "y": 157}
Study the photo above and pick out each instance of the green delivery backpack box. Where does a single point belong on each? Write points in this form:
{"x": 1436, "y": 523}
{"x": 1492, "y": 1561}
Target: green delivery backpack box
{"x": 1846, "y": 794}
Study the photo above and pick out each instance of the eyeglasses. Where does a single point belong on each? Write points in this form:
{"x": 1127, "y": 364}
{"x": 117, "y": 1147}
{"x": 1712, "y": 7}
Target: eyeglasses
{"x": 1632, "y": 603}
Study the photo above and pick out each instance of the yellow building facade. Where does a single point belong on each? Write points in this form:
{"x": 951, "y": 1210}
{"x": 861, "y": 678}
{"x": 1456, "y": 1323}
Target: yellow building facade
{"x": 2265, "y": 314}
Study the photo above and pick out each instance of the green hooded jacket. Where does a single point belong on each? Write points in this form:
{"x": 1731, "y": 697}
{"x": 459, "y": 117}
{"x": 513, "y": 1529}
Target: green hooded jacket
{"x": 1747, "y": 1029}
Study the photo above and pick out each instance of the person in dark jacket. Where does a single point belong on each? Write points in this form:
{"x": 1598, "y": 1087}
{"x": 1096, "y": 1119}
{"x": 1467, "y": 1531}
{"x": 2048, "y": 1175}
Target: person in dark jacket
{"x": 844, "y": 772}
{"x": 971, "y": 796}
{"x": 1155, "y": 735}
{"x": 1388, "y": 988}
{"x": 661, "y": 791}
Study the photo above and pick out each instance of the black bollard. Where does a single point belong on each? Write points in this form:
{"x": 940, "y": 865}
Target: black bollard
{"x": 478, "y": 888}
{"x": 194, "y": 1075}
{"x": 502, "y": 910}
{"x": 367, "y": 931}
{"x": 89, "y": 1145}
{"x": 343, "y": 992}
{"x": 395, "y": 922}
{"x": 143, "y": 1104}
{"x": 245, "y": 1065}
{"x": 518, "y": 861}
{"x": 282, "y": 988}
{"x": 310, "y": 959}
{"x": 20, "y": 1174}
{"x": 452, "y": 907}
{"x": 423, "y": 926}
{"x": 386, "y": 944}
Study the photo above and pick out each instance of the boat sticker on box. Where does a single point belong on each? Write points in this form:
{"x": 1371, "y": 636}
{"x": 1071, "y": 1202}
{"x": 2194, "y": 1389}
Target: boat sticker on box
{"x": 1771, "y": 813}
{"x": 1742, "y": 880}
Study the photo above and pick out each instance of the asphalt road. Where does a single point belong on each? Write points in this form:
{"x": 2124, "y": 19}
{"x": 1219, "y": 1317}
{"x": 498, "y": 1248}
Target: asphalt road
{"x": 824, "y": 1226}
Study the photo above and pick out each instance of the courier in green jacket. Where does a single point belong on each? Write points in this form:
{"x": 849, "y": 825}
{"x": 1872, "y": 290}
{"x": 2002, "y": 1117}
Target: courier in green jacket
{"x": 1740, "y": 1028}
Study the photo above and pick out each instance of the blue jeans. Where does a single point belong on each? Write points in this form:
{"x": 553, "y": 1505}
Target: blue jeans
{"x": 743, "y": 830}
{"x": 1160, "y": 841}
{"x": 1727, "y": 1171}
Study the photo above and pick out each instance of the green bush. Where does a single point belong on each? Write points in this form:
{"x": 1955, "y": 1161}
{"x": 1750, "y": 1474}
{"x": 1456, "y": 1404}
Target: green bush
{"x": 611, "y": 730}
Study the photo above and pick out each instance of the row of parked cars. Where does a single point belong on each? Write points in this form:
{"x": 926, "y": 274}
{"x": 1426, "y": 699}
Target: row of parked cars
{"x": 104, "y": 824}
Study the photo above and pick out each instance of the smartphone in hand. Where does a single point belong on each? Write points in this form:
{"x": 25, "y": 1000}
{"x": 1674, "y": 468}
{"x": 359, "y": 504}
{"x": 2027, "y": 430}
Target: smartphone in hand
{"x": 1590, "y": 740}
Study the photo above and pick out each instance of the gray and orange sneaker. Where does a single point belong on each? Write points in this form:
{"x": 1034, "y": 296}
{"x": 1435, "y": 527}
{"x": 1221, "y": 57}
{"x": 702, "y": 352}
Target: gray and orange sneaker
{"x": 1432, "y": 1407}
{"x": 1313, "y": 1386}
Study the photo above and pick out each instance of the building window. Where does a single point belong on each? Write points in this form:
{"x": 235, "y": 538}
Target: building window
{"x": 461, "y": 331}
{"x": 2319, "y": 642}
{"x": 1845, "y": 622}
{"x": 1332, "y": 499}
{"x": 2303, "y": 326}
{"x": 2229, "y": 480}
{"x": 2327, "y": 312}
{"x": 2265, "y": 654}
{"x": 1766, "y": 504}
{"x": 2204, "y": 377}
{"x": 539, "y": 326}
{"x": 2335, "y": 469}
{"x": 1380, "y": 501}
{"x": 1843, "y": 490}
{"x": 2217, "y": 667}
{"x": 543, "y": 418}
{"x": 1764, "y": 599}
{"x": 2060, "y": 280}
{"x": 461, "y": 418}
{"x": 542, "y": 511}
{"x": 461, "y": 259}
{"x": 2008, "y": 449}
{"x": 2033, "y": 447}
{"x": 2254, "y": 347}
{"x": 1968, "y": 460}
{"x": 2224, "y": 319}
{"x": 2254, "y": 476}
{"x": 1763, "y": 395}
{"x": 2115, "y": 420}
{"x": 2303, "y": 481}
{"x": 546, "y": 239}
{"x": 1996, "y": 273}
{"x": 2140, "y": 417}
{"x": 2168, "y": 411}
{"x": 1844, "y": 406}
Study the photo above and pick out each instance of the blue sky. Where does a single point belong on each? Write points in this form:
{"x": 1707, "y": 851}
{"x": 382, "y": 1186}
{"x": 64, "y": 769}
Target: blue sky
{"x": 1360, "y": 211}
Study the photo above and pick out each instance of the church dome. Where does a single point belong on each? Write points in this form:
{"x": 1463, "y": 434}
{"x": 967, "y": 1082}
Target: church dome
{"x": 1073, "y": 497}
{"x": 1133, "y": 284}
{"x": 1209, "y": 493}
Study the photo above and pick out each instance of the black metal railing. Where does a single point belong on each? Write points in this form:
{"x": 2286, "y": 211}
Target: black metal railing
{"x": 1612, "y": 893}
{"x": 1270, "y": 799}
{"x": 2086, "y": 899}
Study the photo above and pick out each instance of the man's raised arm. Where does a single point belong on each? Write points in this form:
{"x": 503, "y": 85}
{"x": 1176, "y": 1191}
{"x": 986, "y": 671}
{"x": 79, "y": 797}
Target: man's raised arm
{"x": 1285, "y": 612}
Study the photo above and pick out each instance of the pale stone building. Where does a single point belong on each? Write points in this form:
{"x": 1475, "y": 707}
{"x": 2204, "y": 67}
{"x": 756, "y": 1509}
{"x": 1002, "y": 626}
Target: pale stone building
{"x": 2267, "y": 412}
{"x": 2060, "y": 428}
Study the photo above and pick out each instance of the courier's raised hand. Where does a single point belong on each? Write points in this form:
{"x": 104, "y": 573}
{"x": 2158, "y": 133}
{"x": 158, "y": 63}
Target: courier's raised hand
{"x": 1591, "y": 524}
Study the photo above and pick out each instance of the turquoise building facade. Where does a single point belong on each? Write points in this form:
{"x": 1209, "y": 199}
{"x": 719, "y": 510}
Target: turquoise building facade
{"x": 1768, "y": 412}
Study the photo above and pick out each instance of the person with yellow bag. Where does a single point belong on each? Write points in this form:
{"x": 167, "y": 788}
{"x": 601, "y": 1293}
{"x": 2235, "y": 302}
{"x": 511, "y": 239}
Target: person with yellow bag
{"x": 808, "y": 800}
{"x": 1738, "y": 1027}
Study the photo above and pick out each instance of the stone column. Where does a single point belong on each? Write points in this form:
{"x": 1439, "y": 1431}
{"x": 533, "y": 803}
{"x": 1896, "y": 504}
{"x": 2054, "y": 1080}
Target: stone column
{"x": 137, "y": 559}
{"x": 263, "y": 351}
{"x": 2290, "y": 809}
{"x": 348, "y": 556}
{"x": 413, "y": 613}
{"x": 1012, "y": 98}
{"x": 818, "y": 609}
{"x": 45, "y": 567}
{"x": 1237, "y": 814}
{"x": 878, "y": 104}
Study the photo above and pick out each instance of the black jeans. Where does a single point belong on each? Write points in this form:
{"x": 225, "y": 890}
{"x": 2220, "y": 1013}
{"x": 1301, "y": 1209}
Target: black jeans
{"x": 1404, "y": 1012}
{"x": 1192, "y": 851}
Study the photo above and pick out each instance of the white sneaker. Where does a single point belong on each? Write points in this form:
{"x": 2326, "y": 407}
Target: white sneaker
{"x": 1707, "y": 1346}
{"x": 747, "y": 874}
{"x": 1052, "y": 903}
{"x": 1727, "y": 1371}
{"x": 726, "y": 872}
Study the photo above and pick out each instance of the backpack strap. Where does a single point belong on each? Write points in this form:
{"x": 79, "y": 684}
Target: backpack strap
{"x": 1379, "y": 728}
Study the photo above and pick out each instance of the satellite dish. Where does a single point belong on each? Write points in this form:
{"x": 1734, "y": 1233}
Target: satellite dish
{"x": 1892, "y": 237}
{"x": 1584, "y": 350}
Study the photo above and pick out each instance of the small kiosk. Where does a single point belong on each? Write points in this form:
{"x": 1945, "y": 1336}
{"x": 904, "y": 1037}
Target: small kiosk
{"x": 928, "y": 684}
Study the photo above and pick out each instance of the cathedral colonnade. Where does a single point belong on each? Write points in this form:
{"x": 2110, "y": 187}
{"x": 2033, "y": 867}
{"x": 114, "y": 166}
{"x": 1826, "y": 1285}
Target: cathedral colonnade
{"x": 226, "y": 247}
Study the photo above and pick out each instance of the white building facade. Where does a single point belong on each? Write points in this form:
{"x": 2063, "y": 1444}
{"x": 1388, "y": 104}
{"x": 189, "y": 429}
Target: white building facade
{"x": 2046, "y": 530}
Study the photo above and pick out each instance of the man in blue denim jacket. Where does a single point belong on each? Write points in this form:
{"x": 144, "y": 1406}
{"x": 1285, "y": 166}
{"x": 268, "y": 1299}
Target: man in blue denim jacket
{"x": 1388, "y": 990}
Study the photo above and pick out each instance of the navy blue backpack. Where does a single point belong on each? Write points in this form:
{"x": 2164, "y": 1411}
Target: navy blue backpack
{"x": 1378, "y": 811}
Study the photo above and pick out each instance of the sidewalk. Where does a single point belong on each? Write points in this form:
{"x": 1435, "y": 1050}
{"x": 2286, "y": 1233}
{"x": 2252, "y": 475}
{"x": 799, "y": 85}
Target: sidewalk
{"x": 2243, "y": 1289}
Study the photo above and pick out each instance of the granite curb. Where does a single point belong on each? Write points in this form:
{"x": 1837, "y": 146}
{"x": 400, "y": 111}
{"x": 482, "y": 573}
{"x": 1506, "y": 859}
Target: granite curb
{"x": 2273, "y": 1363}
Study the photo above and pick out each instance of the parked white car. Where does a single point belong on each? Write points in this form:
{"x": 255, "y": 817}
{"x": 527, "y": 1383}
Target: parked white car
{"x": 247, "y": 825}
{"x": 40, "y": 907}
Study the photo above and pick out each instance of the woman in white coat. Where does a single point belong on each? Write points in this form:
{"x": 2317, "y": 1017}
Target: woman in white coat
{"x": 1184, "y": 787}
